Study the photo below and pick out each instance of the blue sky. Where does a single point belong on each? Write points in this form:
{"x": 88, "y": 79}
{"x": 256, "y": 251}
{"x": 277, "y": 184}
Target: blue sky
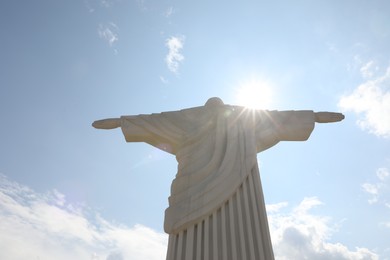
{"x": 65, "y": 64}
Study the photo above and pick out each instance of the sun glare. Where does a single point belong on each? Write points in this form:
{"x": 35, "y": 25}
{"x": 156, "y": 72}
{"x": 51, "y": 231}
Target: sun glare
{"x": 255, "y": 94}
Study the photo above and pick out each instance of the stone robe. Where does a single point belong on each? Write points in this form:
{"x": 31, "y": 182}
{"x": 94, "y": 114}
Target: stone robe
{"x": 216, "y": 151}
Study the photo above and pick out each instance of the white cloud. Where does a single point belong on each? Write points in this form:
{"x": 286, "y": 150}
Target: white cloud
{"x": 164, "y": 80}
{"x": 369, "y": 69}
{"x": 45, "y": 226}
{"x": 93, "y": 5}
{"x": 386, "y": 224}
{"x": 89, "y": 6}
{"x": 373, "y": 190}
{"x": 382, "y": 173}
{"x": 142, "y": 4}
{"x": 174, "y": 57}
{"x": 300, "y": 235}
{"x": 371, "y": 102}
{"x": 380, "y": 189}
{"x": 106, "y": 3}
{"x": 108, "y": 32}
{"x": 271, "y": 208}
{"x": 169, "y": 11}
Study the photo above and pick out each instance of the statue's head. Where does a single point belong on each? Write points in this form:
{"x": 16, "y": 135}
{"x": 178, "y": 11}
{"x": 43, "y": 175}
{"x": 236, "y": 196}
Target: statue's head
{"x": 214, "y": 102}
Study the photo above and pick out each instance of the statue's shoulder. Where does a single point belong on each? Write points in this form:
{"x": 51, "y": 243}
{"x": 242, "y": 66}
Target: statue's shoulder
{"x": 179, "y": 116}
{"x": 192, "y": 112}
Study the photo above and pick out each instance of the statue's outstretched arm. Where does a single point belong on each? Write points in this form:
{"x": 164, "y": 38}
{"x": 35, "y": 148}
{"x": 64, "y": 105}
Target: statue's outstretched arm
{"x": 109, "y": 123}
{"x": 328, "y": 117}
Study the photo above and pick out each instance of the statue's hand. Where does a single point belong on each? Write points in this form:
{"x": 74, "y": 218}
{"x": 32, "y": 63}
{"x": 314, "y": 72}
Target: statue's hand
{"x": 328, "y": 117}
{"x": 109, "y": 123}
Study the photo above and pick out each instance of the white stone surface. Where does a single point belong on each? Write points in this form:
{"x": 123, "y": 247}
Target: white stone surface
{"x": 216, "y": 208}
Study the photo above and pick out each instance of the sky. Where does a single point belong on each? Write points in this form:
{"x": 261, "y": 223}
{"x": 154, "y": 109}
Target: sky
{"x": 69, "y": 191}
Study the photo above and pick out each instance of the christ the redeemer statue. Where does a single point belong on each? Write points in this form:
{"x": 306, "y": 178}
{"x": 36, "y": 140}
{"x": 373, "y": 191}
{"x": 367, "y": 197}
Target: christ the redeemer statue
{"x": 216, "y": 208}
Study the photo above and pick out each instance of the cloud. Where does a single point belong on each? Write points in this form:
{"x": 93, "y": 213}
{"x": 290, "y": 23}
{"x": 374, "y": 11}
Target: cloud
{"x": 89, "y": 6}
{"x": 92, "y": 5}
{"x": 164, "y": 80}
{"x": 371, "y": 102}
{"x": 106, "y": 3}
{"x": 368, "y": 70}
{"x": 372, "y": 189}
{"x": 46, "y": 226}
{"x": 174, "y": 57}
{"x": 169, "y": 12}
{"x": 273, "y": 208}
{"x": 380, "y": 189}
{"x": 108, "y": 32}
{"x": 383, "y": 174}
{"x": 300, "y": 235}
{"x": 142, "y": 5}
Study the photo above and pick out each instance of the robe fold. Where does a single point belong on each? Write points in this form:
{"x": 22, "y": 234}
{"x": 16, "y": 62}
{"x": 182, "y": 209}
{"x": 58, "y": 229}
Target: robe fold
{"x": 217, "y": 190}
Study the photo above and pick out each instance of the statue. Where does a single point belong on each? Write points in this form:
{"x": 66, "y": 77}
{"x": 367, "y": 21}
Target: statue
{"x": 216, "y": 207}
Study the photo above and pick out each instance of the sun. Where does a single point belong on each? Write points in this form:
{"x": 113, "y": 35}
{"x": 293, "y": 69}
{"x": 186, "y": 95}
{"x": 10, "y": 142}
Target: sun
{"x": 255, "y": 94}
